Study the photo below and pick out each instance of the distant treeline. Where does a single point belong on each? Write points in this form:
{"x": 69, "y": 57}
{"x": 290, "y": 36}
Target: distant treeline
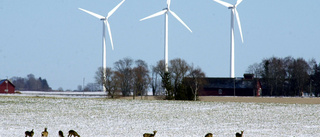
{"x": 279, "y": 77}
{"x": 30, "y": 83}
{"x": 287, "y": 76}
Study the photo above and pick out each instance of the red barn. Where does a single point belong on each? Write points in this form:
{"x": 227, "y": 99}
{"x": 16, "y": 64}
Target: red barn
{"x": 6, "y": 86}
{"x": 247, "y": 86}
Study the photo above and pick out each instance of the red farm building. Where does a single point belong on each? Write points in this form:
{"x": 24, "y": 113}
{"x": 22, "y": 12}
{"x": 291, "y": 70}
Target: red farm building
{"x": 246, "y": 86}
{"x": 6, "y": 86}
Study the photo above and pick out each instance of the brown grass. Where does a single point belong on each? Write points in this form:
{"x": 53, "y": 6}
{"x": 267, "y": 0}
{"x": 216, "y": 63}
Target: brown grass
{"x": 286, "y": 100}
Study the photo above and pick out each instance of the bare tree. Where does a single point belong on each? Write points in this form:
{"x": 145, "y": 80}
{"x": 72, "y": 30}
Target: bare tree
{"x": 92, "y": 87}
{"x": 315, "y": 79}
{"x": 124, "y": 73}
{"x": 256, "y": 69}
{"x": 31, "y": 83}
{"x": 159, "y": 70}
{"x": 20, "y": 83}
{"x": 300, "y": 75}
{"x": 278, "y": 73}
{"x": 99, "y": 76}
{"x": 178, "y": 69}
{"x": 196, "y": 80}
{"x": 141, "y": 78}
{"x": 110, "y": 80}
{"x": 274, "y": 75}
{"x": 155, "y": 81}
{"x": 284, "y": 76}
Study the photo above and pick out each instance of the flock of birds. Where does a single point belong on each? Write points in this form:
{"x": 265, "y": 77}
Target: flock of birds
{"x": 75, "y": 134}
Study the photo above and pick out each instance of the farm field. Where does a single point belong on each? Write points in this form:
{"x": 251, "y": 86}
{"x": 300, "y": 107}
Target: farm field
{"x": 122, "y": 117}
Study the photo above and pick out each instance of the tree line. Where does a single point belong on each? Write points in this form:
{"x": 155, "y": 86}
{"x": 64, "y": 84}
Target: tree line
{"x": 279, "y": 77}
{"x": 30, "y": 83}
{"x": 287, "y": 76}
{"x": 129, "y": 77}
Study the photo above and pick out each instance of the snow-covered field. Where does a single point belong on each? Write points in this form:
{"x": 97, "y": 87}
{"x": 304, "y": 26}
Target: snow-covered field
{"x": 131, "y": 118}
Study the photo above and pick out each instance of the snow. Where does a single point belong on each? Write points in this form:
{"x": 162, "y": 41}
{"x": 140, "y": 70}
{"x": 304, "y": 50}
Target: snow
{"x": 69, "y": 94}
{"x": 117, "y": 118}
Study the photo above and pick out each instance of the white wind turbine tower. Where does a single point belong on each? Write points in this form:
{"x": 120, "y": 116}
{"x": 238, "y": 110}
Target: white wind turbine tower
{"x": 165, "y": 11}
{"x": 104, "y": 23}
{"x": 233, "y": 12}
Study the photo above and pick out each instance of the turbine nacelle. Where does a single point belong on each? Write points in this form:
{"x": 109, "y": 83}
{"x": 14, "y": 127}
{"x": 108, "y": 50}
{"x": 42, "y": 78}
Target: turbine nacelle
{"x": 165, "y": 9}
{"x": 105, "y": 21}
{"x": 228, "y": 5}
{"x": 234, "y": 13}
{"x": 233, "y": 7}
{"x": 162, "y": 12}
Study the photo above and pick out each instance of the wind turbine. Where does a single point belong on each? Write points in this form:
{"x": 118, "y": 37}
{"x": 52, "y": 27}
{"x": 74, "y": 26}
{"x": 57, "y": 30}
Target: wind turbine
{"x": 233, "y": 12}
{"x": 165, "y": 11}
{"x": 104, "y": 23}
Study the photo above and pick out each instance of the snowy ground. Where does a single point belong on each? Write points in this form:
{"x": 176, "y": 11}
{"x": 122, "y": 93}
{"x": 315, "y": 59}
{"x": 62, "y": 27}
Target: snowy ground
{"x": 131, "y": 118}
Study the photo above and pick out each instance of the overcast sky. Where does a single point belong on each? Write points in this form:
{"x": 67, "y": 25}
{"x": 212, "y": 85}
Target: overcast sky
{"x": 54, "y": 40}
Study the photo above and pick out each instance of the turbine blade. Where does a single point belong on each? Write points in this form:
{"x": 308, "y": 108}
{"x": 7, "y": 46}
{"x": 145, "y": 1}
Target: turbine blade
{"x": 109, "y": 30}
{"x": 178, "y": 18}
{"x": 239, "y": 24}
{"x": 238, "y": 2}
{"x": 93, "y": 14}
{"x": 224, "y": 3}
{"x": 168, "y": 3}
{"x": 154, "y": 15}
{"x": 114, "y": 9}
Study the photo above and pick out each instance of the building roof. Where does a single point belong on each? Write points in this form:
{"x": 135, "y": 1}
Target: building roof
{"x": 1, "y": 81}
{"x": 229, "y": 83}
